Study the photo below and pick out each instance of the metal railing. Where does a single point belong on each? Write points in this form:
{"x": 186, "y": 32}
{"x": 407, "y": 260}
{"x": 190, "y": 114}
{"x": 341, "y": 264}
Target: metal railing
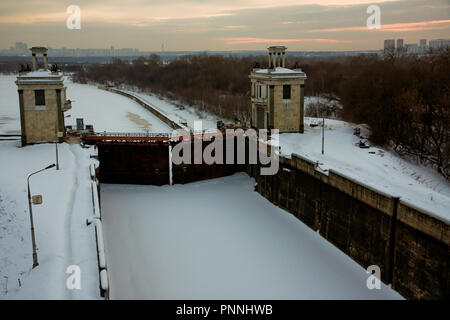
{"x": 128, "y": 134}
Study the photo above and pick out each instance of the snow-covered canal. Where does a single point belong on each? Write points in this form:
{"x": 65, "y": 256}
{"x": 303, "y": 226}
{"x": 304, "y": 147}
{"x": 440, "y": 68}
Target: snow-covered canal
{"x": 218, "y": 239}
{"x": 109, "y": 111}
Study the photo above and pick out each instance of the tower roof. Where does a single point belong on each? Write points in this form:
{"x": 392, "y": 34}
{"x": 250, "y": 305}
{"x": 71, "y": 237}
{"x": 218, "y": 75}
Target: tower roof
{"x": 39, "y": 77}
{"x": 39, "y": 50}
{"x": 276, "y": 48}
{"x": 278, "y": 73}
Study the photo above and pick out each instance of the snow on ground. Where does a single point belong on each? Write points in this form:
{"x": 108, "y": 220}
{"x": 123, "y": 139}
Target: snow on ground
{"x": 109, "y": 111}
{"x": 310, "y": 100}
{"x": 9, "y": 105}
{"x": 383, "y": 170}
{"x": 62, "y": 237}
{"x": 172, "y": 111}
{"x": 219, "y": 239}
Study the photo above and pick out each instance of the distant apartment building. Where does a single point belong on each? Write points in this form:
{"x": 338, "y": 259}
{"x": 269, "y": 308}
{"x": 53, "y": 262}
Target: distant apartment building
{"x": 411, "y": 48}
{"x": 439, "y": 43}
{"x": 423, "y": 46}
{"x": 21, "y": 48}
{"x": 414, "y": 48}
{"x": 389, "y": 44}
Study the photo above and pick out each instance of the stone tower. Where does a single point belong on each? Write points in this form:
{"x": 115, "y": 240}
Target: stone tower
{"x": 42, "y": 101}
{"x": 277, "y": 94}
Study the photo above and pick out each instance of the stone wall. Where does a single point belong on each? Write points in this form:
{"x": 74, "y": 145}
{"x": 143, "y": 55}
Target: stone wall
{"x": 287, "y": 115}
{"x": 421, "y": 256}
{"x": 40, "y": 122}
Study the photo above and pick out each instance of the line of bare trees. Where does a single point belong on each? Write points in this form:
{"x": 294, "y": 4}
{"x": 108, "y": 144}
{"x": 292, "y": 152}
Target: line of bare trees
{"x": 406, "y": 102}
{"x": 210, "y": 83}
{"x": 404, "y": 99}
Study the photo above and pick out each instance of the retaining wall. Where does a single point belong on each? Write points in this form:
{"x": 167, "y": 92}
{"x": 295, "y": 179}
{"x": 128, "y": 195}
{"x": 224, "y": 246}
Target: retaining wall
{"x": 410, "y": 246}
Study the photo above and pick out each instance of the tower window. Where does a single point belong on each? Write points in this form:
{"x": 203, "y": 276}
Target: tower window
{"x": 286, "y": 91}
{"x": 39, "y": 97}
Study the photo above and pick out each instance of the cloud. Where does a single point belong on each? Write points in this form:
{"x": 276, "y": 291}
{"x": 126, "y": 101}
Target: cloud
{"x": 30, "y": 11}
{"x": 246, "y": 40}
{"x": 235, "y": 27}
{"x": 220, "y": 25}
{"x": 408, "y": 26}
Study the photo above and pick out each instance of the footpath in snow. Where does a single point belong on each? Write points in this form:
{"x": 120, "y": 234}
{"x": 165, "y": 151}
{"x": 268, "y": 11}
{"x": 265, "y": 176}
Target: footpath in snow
{"x": 219, "y": 239}
{"x": 62, "y": 237}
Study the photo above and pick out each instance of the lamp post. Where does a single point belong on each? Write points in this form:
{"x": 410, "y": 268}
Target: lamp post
{"x": 59, "y": 134}
{"x": 57, "y": 162}
{"x": 33, "y": 239}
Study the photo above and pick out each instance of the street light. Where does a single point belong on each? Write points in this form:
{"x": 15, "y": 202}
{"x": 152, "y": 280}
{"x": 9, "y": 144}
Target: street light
{"x": 59, "y": 134}
{"x": 33, "y": 239}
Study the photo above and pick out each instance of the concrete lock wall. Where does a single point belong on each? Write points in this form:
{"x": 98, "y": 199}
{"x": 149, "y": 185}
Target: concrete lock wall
{"x": 409, "y": 245}
{"x": 421, "y": 257}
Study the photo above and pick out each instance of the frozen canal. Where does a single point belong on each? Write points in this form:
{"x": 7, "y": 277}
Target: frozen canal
{"x": 218, "y": 239}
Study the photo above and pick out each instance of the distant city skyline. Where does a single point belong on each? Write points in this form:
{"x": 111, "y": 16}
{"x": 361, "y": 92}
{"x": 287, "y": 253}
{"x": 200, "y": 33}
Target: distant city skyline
{"x": 21, "y": 48}
{"x": 215, "y": 25}
{"x": 415, "y": 48}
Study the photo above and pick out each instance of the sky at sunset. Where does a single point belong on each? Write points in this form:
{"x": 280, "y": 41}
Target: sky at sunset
{"x": 309, "y": 25}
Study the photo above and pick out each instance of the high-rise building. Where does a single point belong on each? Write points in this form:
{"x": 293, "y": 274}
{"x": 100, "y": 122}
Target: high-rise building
{"x": 21, "y": 48}
{"x": 439, "y": 43}
{"x": 399, "y": 44}
{"x": 423, "y": 46}
{"x": 389, "y": 44}
{"x": 412, "y": 48}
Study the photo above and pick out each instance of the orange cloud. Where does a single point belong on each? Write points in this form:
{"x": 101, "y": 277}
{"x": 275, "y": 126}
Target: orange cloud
{"x": 408, "y": 26}
{"x": 247, "y": 40}
{"x": 235, "y": 27}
